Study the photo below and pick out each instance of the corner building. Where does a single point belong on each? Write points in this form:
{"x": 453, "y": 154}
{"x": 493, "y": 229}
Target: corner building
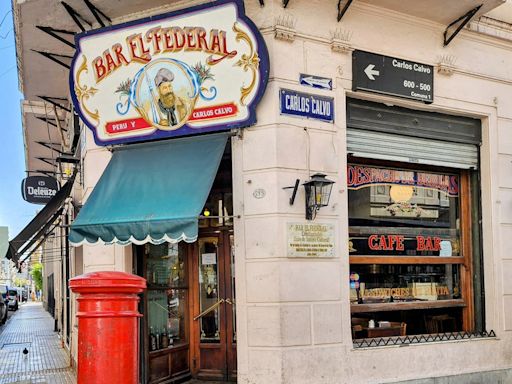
{"x": 402, "y": 276}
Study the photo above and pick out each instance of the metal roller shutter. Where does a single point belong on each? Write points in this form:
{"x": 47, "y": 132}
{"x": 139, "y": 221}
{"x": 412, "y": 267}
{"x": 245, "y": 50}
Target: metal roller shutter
{"x": 395, "y": 133}
{"x": 385, "y": 146}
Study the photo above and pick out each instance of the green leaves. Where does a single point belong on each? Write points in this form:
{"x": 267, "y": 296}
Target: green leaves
{"x": 37, "y": 275}
{"x": 124, "y": 87}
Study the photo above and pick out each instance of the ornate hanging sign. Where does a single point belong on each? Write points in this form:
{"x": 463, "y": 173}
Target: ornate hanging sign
{"x": 200, "y": 69}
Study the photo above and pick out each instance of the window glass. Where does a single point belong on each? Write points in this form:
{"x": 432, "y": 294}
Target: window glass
{"x": 209, "y": 291}
{"x": 167, "y": 295}
{"x": 405, "y": 251}
{"x": 384, "y": 283}
{"x": 403, "y": 212}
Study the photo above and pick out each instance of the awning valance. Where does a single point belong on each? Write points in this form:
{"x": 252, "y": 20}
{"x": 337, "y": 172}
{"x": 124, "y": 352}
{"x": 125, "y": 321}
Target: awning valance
{"x": 151, "y": 192}
{"x": 40, "y": 225}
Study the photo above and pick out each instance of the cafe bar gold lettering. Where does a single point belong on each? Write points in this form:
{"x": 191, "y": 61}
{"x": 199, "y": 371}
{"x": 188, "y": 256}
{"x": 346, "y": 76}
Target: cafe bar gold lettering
{"x": 396, "y": 243}
{"x": 386, "y": 242}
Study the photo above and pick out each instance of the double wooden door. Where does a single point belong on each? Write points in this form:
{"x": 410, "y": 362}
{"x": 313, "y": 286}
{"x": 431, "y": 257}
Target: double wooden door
{"x": 213, "y": 322}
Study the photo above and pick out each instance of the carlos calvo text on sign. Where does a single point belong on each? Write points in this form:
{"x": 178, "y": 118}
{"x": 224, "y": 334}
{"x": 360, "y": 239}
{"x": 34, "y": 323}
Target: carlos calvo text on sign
{"x": 306, "y": 105}
{"x": 392, "y": 76}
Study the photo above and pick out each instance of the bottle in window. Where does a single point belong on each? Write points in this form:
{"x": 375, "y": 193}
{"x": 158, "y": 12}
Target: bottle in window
{"x": 165, "y": 339}
{"x": 158, "y": 338}
{"x": 152, "y": 274}
{"x": 170, "y": 336}
{"x": 152, "y": 340}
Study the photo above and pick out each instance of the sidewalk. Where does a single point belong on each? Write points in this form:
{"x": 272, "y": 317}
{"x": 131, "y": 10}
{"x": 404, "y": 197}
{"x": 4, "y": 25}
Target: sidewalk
{"x": 47, "y": 362}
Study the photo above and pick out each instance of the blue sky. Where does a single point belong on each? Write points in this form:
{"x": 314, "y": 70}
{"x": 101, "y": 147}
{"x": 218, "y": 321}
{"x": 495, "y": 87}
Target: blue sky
{"x": 15, "y": 213}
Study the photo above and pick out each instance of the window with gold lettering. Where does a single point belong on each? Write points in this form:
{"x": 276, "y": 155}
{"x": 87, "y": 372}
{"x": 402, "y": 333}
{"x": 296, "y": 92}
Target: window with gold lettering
{"x": 409, "y": 245}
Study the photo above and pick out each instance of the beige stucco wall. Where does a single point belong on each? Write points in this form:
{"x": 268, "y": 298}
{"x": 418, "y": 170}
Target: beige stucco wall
{"x": 98, "y": 257}
{"x": 293, "y": 314}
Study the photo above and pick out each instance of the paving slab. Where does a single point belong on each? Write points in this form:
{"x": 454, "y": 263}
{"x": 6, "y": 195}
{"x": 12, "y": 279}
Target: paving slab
{"x": 47, "y": 361}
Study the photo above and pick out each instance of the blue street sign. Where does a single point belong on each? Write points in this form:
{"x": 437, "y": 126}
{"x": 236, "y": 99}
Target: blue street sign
{"x": 306, "y": 105}
{"x": 315, "y": 81}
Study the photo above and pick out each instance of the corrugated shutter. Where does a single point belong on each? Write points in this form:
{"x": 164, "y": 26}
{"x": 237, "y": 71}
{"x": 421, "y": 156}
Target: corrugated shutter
{"x": 409, "y": 122}
{"x": 385, "y": 146}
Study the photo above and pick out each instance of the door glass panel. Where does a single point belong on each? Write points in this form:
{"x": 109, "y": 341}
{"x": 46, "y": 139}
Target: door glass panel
{"x": 209, "y": 291}
{"x": 166, "y": 265}
{"x": 232, "y": 266}
{"x": 167, "y": 295}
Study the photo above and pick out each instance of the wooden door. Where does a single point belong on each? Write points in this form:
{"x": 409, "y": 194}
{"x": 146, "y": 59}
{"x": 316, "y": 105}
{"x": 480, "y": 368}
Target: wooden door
{"x": 213, "y": 324}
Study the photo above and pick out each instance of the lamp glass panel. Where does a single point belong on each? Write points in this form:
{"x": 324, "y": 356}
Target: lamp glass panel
{"x": 326, "y": 194}
{"x": 310, "y": 194}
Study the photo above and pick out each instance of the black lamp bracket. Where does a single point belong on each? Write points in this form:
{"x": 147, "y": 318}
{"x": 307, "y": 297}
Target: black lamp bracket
{"x": 294, "y": 193}
{"x": 463, "y": 20}
{"x": 343, "y": 10}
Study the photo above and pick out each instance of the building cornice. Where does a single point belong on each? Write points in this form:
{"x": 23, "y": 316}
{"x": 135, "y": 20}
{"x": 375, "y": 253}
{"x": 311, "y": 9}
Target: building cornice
{"x": 18, "y": 43}
{"x": 492, "y": 27}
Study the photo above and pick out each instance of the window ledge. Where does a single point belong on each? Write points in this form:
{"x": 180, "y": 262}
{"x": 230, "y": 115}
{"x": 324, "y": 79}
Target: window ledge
{"x": 406, "y": 341}
{"x": 403, "y": 306}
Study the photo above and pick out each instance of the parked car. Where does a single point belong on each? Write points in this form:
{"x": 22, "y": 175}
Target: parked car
{"x": 24, "y": 295}
{"x": 3, "y": 310}
{"x": 12, "y": 297}
{"x": 3, "y": 290}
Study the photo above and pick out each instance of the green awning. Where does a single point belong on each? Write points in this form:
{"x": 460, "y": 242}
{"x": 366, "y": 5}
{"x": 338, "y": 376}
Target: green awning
{"x": 151, "y": 192}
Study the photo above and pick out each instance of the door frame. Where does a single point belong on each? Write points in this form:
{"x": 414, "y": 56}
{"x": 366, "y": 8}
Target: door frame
{"x": 226, "y": 323}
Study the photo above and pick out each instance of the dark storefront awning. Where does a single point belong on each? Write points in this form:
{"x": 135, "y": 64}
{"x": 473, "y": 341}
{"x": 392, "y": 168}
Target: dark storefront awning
{"x": 41, "y": 225}
{"x": 151, "y": 192}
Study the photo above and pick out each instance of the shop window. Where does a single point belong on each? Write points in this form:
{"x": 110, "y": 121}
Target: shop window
{"x": 409, "y": 246}
{"x": 166, "y": 296}
{"x": 218, "y": 210}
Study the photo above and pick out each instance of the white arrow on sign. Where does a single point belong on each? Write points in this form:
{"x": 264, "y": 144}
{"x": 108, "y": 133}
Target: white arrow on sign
{"x": 370, "y": 72}
{"x": 322, "y": 83}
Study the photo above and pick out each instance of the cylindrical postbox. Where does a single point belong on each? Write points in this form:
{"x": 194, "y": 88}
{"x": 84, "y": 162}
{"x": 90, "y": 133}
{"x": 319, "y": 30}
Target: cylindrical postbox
{"x": 108, "y": 332}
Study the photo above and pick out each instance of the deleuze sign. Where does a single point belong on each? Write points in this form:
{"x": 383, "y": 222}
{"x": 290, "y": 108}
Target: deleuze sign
{"x": 200, "y": 69}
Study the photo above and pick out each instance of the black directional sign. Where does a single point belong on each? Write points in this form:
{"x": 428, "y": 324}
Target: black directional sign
{"x": 392, "y": 76}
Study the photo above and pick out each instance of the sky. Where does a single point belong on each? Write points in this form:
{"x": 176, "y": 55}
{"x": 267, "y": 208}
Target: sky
{"x": 15, "y": 213}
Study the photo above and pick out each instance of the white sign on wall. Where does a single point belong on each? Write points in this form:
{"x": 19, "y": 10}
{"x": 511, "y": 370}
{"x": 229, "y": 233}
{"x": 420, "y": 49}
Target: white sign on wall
{"x": 199, "y": 69}
{"x": 310, "y": 240}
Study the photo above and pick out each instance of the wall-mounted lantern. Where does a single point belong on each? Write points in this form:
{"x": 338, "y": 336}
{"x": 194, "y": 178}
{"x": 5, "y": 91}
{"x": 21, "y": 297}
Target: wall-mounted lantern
{"x": 318, "y": 191}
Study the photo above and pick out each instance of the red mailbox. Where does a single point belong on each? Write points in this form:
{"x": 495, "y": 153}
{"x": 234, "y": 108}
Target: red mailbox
{"x": 108, "y": 331}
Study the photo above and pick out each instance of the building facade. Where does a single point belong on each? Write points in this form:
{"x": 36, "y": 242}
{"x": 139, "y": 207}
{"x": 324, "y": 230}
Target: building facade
{"x": 5, "y": 267}
{"x": 403, "y": 275}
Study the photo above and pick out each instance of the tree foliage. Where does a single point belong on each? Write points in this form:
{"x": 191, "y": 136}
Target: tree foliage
{"x": 37, "y": 275}
{"x": 18, "y": 282}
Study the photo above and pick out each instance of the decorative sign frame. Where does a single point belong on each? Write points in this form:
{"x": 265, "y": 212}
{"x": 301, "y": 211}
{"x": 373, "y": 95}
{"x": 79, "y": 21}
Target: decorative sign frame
{"x": 199, "y": 69}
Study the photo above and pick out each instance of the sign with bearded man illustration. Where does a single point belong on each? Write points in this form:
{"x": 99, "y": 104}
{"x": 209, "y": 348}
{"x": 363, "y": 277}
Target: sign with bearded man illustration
{"x": 201, "y": 69}
{"x": 169, "y": 105}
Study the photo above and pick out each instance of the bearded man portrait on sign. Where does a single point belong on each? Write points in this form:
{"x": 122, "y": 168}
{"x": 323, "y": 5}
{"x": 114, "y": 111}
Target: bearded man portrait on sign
{"x": 172, "y": 108}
